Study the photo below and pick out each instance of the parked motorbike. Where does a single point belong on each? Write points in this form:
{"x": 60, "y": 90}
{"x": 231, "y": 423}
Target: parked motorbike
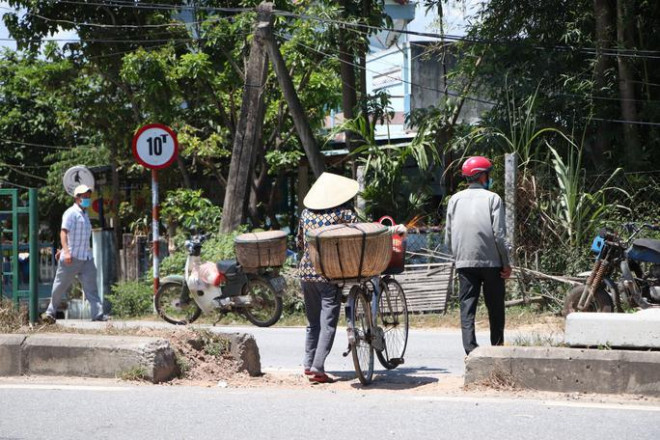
{"x": 625, "y": 271}
{"x": 220, "y": 287}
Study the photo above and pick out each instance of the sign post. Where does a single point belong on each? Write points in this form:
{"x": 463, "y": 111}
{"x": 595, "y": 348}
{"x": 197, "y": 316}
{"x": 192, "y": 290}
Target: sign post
{"x": 155, "y": 146}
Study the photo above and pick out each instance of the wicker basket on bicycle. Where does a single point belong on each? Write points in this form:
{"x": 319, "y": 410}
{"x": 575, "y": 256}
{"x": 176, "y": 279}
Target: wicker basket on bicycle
{"x": 350, "y": 251}
{"x": 255, "y": 250}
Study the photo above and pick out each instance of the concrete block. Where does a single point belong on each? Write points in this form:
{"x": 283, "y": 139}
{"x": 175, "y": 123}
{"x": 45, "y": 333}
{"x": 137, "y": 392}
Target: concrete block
{"x": 243, "y": 347}
{"x": 99, "y": 356}
{"x": 567, "y": 369}
{"x": 10, "y": 354}
{"x": 620, "y": 330}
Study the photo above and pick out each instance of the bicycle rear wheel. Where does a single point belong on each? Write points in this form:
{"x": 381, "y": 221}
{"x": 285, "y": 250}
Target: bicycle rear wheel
{"x": 361, "y": 349}
{"x": 393, "y": 319}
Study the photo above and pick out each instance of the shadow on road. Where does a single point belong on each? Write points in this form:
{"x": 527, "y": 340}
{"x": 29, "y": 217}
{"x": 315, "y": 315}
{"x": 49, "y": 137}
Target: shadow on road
{"x": 399, "y": 379}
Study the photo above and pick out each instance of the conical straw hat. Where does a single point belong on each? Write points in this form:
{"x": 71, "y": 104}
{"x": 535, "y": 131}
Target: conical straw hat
{"x": 330, "y": 190}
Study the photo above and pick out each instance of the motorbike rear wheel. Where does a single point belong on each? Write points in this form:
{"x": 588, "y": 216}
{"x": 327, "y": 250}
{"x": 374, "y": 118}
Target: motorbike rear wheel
{"x": 601, "y": 301}
{"x": 174, "y": 304}
{"x": 265, "y": 307}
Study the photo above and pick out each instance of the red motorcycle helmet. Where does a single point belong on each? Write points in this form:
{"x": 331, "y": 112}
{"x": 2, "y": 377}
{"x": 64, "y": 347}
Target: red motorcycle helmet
{"x": 474, "y": 166}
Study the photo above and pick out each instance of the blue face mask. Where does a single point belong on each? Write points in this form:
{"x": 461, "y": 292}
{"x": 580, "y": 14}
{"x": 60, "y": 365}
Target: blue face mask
{"x": 85, "y": 203}
{"x": 489, "y": 183}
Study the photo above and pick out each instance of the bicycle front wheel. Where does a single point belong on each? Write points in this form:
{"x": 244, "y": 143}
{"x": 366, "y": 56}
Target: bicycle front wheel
{"x": 361, "y": 349}
{"x": 174, "y": 304}
{"x": 393, "y": 319}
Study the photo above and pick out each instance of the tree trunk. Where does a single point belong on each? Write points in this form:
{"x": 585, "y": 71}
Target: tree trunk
{"x": 348, "y": 81}
{"x": 604, "y": 36}
{"x": 116, "y": 220}
{"x": 248, "y": 132}
{"x": 624, "y": 36}
{"x": 312, "y": 150}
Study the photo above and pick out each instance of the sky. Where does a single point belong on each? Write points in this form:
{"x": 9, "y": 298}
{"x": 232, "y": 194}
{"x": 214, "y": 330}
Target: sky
{"x": 455, "y": 21}
{"x": 4, "y": 33}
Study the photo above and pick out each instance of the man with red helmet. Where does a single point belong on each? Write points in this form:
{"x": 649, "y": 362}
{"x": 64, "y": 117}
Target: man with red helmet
{"x": 475, "y": 233}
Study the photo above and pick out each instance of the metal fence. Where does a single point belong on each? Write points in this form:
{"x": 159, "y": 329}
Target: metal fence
{"x": 553, "y": 228}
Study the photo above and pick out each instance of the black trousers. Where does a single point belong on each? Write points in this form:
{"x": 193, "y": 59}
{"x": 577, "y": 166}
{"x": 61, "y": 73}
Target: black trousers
{"x": 471, "y": 280}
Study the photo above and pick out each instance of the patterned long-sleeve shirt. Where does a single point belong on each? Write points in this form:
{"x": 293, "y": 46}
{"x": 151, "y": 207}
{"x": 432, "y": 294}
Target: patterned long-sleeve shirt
{"x": 313, "y": 219}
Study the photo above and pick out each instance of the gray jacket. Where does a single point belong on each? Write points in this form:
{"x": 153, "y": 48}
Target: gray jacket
{"x": 476, "y": 231}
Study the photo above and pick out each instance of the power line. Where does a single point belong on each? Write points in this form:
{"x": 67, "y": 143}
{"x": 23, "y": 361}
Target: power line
{"x": 620, "y": 121}
{"x": 449, "y": 92}
{"x": 633, "y": 53}
{"x": 54, "y": 147}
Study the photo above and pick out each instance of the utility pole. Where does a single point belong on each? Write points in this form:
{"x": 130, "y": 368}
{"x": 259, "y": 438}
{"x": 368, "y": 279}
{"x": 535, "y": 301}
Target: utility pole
{"x": 295, "y": 107}
{"x": 250, "y": 122}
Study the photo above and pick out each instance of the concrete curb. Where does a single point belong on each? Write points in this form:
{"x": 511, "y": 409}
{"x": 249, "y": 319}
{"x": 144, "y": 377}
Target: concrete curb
{"x": 243, "y": 347}
{"x": 98, "y": 356}
{"x": 80, "y": 355}
{"x": 10, "y": 355}
{"x": 567, "y": 369}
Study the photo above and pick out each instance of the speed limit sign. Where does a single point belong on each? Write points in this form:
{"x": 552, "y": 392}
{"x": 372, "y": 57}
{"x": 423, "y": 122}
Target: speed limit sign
{"x": 155, "y": 146}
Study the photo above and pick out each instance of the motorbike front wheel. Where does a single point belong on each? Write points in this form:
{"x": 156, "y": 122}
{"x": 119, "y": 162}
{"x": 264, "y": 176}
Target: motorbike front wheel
{"x": 601, "y": 301}
{"x": 175, "y": 305}
{"x": 265, "y": 307}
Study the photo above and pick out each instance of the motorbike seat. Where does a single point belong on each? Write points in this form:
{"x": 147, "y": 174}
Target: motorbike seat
{"x": 228, "y": 267}
{"x": 646, "y": 249}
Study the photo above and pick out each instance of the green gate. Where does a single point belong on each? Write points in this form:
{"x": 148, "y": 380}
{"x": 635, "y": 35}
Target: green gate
{"x": 33, "y": 247}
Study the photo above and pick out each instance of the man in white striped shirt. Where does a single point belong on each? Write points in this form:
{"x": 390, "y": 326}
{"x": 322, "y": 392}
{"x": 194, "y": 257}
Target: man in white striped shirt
{"x": 76, "y": 257}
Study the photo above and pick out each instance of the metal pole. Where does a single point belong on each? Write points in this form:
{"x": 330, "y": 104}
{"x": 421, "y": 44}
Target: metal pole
{"x": 154, "y": 225}
{"x": 510, "y": 176}
{"x": 34, "y": 253}
{"x": 15, "y": 240}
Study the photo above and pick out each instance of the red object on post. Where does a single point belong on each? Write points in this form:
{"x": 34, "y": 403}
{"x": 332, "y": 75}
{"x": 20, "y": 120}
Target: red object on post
{"x": 397, "y": 261}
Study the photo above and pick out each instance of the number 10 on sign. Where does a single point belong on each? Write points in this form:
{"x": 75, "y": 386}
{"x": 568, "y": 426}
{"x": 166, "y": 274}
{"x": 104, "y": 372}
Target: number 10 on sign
{"x": 155, "y": 146}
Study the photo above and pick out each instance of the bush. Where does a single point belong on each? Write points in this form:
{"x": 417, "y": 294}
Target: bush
{"x": 131, "y": 298}
{"x": 218, "y": 247}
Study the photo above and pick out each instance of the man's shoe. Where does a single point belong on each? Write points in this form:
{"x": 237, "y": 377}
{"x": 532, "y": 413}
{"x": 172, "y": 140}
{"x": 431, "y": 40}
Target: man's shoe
{"x": 48, "y": 319}
{"x": 101, "y": 317}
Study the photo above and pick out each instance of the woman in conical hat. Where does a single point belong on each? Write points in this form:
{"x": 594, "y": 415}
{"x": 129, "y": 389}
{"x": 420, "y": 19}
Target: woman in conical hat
{"x": 328, "y": 202}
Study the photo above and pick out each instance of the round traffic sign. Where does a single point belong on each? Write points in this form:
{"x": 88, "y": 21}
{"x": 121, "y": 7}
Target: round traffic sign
{"x": 77, "y": 175}
{"x": 155, "y": 146}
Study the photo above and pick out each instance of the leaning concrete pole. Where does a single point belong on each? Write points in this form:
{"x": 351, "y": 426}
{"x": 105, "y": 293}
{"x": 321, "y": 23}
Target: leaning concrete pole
{"x": 510, "y": 176}
{"x": 248, "y": 131}
{"x": 295, "y": 107}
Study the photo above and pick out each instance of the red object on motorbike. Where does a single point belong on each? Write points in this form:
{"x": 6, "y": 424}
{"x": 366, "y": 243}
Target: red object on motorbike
{"x": 398, "y": 249}
{"x": 210, "y": 274}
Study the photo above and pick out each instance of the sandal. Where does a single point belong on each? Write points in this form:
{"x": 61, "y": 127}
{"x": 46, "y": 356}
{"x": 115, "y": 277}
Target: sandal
{"x": 320, "y": 378}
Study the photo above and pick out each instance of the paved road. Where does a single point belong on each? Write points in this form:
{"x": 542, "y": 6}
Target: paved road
{"x": 46, "y": 411}
{"x": 431, "y": 353}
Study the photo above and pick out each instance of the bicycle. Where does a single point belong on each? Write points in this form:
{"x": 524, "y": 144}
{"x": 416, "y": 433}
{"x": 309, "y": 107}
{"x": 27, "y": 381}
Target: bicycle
{"x": 377, "y": 321}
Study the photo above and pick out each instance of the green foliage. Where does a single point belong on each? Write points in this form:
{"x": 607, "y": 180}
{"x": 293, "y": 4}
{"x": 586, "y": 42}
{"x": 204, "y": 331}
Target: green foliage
{"x": 134, "y": 373}
{"x": 389, "y": 189}
{"x": 131, "y": 299}
{"x": 576, "y": 212}
{"x": 187, "y": 208}
{"x": 217, "y": 247}
{"x": 210, "y": 343}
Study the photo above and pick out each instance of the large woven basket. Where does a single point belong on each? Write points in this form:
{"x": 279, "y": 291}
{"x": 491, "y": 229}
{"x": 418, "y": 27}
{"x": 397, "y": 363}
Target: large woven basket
{"x": 350, "y": 251}
{"x": 260, "y": 249}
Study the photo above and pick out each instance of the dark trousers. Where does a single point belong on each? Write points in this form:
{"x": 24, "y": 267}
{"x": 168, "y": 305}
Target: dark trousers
{"x": 471, "y": 280}
{"x": 322, "y": 307}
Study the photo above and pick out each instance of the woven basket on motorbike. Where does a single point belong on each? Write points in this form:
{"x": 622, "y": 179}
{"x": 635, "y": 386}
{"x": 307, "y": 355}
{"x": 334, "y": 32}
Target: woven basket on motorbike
{"x": 350, "y": 251}
{"x": 260, "y": 249}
